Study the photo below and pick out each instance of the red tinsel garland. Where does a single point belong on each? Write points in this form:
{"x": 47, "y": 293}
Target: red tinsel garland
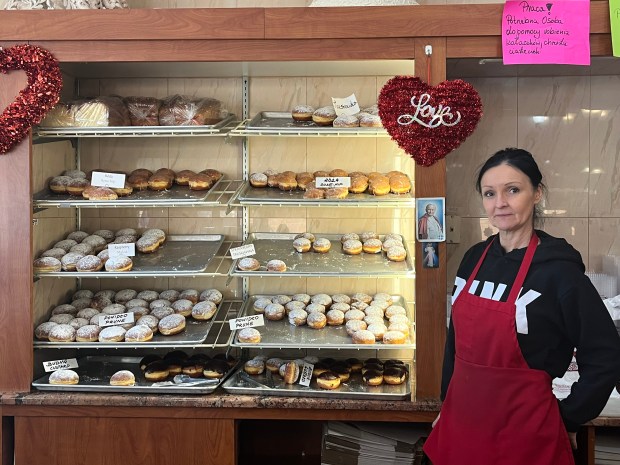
{"x": 33, "y": 102}
{"x": 426, "y": 144}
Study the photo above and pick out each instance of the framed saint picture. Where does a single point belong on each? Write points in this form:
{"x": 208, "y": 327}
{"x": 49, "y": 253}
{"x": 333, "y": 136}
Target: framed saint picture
{"x": 431, "y": 219}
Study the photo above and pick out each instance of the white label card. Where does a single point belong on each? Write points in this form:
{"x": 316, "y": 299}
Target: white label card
{"x": 306, "y": 374}
{"x": 54, "y": 365}
{"x": 116, "y": 320}
{"x": 101, "y": 179}
{"x": 247, "y": 322}
{"x": 243, "y": 251}
{"x": 126, "y": 250}
{"x": 346, "y": 106}
{"x": 331, "y": 182}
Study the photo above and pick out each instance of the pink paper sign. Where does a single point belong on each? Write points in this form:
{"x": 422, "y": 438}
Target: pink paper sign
{"x": 546, "y": 32}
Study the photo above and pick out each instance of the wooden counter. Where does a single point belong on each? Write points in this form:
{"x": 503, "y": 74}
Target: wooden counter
{"x": 170, "y": 428}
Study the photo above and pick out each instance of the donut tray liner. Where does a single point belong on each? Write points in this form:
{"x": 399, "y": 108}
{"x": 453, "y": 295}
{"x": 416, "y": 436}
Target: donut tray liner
{"x": 279, "y": 246}
{"x": 180, "y": 255}
{"x": 283, "y": 122}
{"x": 267, "y": 384}
{"x": 249, "y": 195}
{"x": 95, "y": 373}
{"x": 283, "y": 335}
{"x": 175, "y": 196}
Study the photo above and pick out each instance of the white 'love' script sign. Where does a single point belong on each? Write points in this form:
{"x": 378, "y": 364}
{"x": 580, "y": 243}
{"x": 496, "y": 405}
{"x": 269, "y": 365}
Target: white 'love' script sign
{"x": 428, "y": 116}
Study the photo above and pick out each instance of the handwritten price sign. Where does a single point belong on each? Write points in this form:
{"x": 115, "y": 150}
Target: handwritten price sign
{"x": 242, "y": 251}
{"x": 247, "y": 322}
{"x": 331, "y": 182}
{"x": 126, "y": 250}
{"x": 101, "y": 179}
{"x": 544, "y": 32}
{"x": 306, "y": 374}
{"x": 116, "y": 320}
{"x": 346, "y": 106}
{"x": 65, "y": 364}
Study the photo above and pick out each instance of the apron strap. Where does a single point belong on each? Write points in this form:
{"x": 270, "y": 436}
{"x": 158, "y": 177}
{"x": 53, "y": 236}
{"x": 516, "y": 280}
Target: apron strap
{"x": 473, "y": 274}
{"x": 523, "y": 269}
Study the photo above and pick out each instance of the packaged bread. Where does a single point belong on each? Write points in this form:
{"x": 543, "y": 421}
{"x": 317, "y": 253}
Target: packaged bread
{"x": 100, "y": 112}
{"x": 59, "y": 117}
{"x": 181, "y": 110}
{"x": 143, "y": 111}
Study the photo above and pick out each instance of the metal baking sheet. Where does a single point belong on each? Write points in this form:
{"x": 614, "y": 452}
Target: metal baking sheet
{"x": 282, "y": 335}
{"x": 175, "y": 196}
{"x": 180, "y": 255}
{"x": 249, "y": 195}
{"x": 95, "y": 373}
{"x": 279, "y": 246}
{"x": 196, "y": 332}
{"x": 354, "y": 388}
{"x": 135, "y": 131}
{"x": 283, "y": 122}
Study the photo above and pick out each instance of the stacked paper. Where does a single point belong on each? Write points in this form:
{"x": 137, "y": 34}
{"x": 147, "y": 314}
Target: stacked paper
{"x": 607, "y": 449}
{"x": 372, "y": 444}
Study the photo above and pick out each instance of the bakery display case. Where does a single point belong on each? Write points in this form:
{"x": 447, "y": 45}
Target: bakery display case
{"x": 190, "y": 257}
{"x": 195, "y": 256}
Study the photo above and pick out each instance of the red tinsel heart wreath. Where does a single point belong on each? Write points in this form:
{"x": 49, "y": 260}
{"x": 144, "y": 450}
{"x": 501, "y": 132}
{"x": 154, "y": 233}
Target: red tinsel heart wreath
{"x": 429, "y": 122}
{"x": 33, "y": 102}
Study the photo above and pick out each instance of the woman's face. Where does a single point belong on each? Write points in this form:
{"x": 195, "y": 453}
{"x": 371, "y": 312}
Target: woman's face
{"x": 509, "y": 198}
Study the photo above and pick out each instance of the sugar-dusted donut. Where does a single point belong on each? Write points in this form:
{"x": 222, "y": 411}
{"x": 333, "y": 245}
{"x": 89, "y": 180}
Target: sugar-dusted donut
{"x": 171, "y": 324}
{"x": 64, "y": 377}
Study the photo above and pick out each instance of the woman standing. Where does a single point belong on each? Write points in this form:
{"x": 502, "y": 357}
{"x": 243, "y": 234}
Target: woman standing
{"x": 521, "y": 305}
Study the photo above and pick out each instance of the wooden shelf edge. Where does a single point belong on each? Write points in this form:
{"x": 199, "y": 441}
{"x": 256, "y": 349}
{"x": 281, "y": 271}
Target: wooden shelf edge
{"x": 266, "y": 23}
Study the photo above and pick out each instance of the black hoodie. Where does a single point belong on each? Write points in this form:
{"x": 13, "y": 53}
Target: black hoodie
{"x": 564, "y": 311}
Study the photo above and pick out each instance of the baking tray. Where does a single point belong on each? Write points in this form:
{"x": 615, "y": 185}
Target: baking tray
{"x": 175, "y": 196}
{"x": 95, "y": 373}
{"x": 248, "y": 195}
{"x": 135, "y": 131}
{"x": 270, "y": 246}
{"x": 282, "y": 335}
{"x": 354, "y": 388}
{"x": 196, "y": 332}
{"x": 180, "y": 255}
{"x": 282, "y": 123}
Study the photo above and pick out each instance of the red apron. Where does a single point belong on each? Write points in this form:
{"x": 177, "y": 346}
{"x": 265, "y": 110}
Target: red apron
{"x": 497, "y": 410}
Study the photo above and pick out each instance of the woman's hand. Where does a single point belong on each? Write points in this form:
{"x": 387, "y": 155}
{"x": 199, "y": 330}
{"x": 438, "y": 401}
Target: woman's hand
{"x": 572, "y": 437}
{"x": 437, "y": 419}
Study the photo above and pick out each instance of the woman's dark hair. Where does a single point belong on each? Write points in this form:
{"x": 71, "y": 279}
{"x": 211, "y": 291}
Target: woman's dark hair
{"x": 521, "y": 160}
